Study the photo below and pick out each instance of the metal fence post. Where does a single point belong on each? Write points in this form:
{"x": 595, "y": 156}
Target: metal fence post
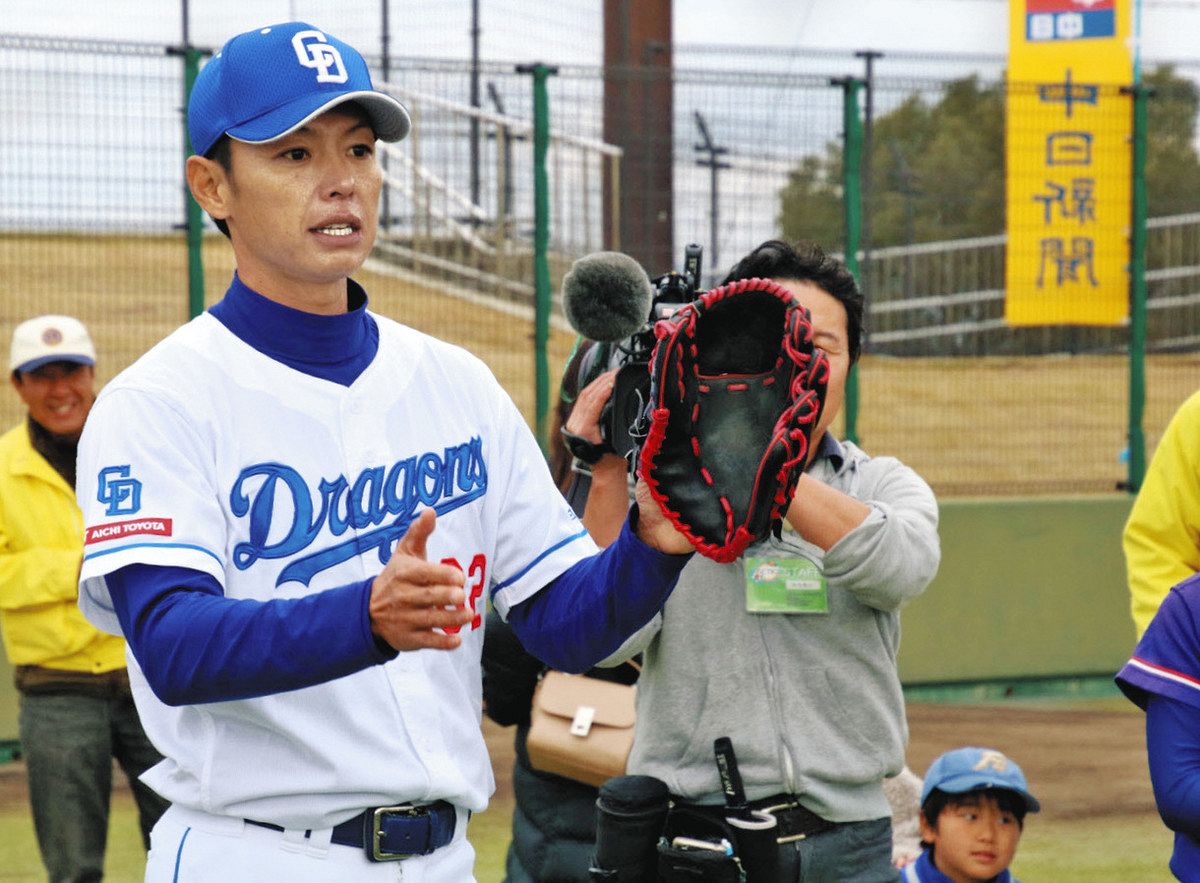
{"x": 866, "y": 272}
{"x": 852, "y": 137}
{"x": 541, "y": 244}
{"x": 195, "y": 220}
{"x": 1137, "y": 295}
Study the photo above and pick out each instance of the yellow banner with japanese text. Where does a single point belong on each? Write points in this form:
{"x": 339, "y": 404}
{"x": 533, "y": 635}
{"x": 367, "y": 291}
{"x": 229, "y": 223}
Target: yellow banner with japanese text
{"x": 1068, "y": 153}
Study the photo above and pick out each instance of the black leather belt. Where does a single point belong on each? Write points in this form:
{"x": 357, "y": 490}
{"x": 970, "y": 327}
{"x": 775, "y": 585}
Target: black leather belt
{"x": 392, "y": 833}
{"x": 795, "y": 821}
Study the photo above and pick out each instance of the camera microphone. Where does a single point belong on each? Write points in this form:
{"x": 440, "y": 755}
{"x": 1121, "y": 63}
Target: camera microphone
{"x": 607, "y": 296}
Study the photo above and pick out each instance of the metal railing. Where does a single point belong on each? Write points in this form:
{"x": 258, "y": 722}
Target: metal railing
{"x": 947, "y": 298}
{"x": 483, "y": 241}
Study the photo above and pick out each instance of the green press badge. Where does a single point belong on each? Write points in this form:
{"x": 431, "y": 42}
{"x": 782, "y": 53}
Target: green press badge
{"x": 785, "y": 585}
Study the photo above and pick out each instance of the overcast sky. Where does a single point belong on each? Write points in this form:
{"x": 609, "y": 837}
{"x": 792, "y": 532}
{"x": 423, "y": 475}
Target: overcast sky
{"x": 559, "y": 27}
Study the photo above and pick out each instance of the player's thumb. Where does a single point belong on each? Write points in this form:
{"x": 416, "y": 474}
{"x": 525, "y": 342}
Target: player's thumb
{"x": 413, "y": 541}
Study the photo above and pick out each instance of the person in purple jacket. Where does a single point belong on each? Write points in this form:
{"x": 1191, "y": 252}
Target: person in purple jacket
{"x": 1162, "y": 677}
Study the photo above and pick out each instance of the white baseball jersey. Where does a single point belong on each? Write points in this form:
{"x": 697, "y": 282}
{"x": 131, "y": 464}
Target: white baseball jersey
{"x": 209, "y": 455}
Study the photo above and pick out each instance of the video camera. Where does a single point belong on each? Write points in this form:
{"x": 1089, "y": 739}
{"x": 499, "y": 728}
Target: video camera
{"x": 631, "y": 356}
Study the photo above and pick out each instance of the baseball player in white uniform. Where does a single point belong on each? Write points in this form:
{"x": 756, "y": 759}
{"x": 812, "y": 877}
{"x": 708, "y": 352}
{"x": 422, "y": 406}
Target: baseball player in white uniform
{"x": 297, "y": 510}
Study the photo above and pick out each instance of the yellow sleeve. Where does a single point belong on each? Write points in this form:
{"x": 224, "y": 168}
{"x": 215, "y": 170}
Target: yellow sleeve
{"x": 1162, "y": 536}
{"x": 41, "y": 575}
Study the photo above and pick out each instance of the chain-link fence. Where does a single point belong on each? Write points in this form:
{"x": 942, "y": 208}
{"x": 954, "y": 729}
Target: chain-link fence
{"x": 459, "y": 201}
{"x": 92, "y": 208}
{"x": 91, "y": 192}
{"x": 92, "y": 201}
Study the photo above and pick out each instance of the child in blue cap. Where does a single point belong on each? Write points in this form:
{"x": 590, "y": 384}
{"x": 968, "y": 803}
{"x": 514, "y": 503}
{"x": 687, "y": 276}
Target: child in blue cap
{"x": 973, "y": 807}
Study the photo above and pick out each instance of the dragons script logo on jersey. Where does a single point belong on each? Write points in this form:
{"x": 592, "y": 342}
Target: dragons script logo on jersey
{"x": 379, "y": 495}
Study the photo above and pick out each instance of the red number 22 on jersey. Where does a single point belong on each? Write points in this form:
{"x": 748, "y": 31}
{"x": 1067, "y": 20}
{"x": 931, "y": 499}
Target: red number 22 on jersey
{"x": 476, "y": 579}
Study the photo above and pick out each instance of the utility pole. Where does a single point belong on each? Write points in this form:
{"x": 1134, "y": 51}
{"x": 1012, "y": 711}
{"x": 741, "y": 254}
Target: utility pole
{"x": 714, "y": 166}
{"x": 638, "y": 102}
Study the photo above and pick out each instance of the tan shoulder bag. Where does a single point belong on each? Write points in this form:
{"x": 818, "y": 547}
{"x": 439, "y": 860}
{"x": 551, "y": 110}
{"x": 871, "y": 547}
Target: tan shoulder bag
{"x": 580, "y": 727}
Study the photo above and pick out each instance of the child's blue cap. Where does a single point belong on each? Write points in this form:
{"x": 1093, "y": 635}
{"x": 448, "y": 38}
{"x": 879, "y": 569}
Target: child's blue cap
{"x": 975, "y": 769}
{"x": 266, "y": 83}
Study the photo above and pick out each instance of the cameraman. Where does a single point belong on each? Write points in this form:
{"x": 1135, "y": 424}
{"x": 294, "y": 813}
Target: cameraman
{"x": 811, "y": 702}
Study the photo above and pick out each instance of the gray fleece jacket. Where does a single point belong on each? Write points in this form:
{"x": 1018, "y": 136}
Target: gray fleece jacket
{"x": 812, "y": 702}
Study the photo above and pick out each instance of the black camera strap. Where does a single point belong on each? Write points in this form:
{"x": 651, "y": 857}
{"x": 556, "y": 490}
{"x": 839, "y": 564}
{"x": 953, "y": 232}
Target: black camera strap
{"x": 731, "y": 778}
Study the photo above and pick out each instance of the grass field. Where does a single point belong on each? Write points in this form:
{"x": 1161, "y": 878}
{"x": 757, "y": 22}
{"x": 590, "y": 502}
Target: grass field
{"x": 1118, "y": 849}
{"x": 970, "y": 426}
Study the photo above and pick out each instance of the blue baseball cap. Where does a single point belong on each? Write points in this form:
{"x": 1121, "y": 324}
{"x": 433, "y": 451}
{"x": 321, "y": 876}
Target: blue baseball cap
{"x": 975, "y": 769}
{"x": 268, "y": 82}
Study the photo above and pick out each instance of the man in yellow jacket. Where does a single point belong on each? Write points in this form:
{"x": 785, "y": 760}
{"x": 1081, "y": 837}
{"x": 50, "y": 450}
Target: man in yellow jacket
{"x": 77, "y": 712}
{"x": 1162, "y": 536}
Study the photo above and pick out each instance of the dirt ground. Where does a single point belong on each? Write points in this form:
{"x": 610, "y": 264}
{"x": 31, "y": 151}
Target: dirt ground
{"x": 1081, "y": 763}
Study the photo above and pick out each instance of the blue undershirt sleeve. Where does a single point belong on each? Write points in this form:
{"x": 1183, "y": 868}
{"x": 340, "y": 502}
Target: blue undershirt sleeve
{"x": 1173, "y": 747}
{"x": 194, "y": 645}
{"x": 585, "y": 614}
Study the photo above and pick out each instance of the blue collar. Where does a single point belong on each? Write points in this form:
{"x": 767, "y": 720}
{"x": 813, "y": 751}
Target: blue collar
{"x": 923, "y": 870}
{"x": 830, "y": 447}
{"x": 336, "y": 348}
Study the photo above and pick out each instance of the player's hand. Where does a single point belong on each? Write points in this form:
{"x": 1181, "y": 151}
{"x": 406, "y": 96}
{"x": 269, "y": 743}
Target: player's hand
{"x": 413, "y": 598}
{"x": 584, "y": 419}
{"x": 654, "y": 529}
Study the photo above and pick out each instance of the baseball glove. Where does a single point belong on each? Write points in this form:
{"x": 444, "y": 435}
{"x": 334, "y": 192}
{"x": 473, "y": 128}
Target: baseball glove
{"x": 736, "y": 389}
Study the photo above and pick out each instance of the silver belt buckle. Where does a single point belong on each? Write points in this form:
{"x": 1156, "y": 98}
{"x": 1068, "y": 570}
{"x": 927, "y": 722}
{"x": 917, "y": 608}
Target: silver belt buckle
{"x": 377, "y": 852}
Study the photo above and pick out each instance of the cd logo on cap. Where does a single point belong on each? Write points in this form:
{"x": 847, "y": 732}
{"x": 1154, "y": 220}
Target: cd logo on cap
{"x": 313, "y": 50}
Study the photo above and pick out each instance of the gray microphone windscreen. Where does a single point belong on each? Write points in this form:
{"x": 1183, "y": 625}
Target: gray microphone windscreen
{"x": 607, "y": 296}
